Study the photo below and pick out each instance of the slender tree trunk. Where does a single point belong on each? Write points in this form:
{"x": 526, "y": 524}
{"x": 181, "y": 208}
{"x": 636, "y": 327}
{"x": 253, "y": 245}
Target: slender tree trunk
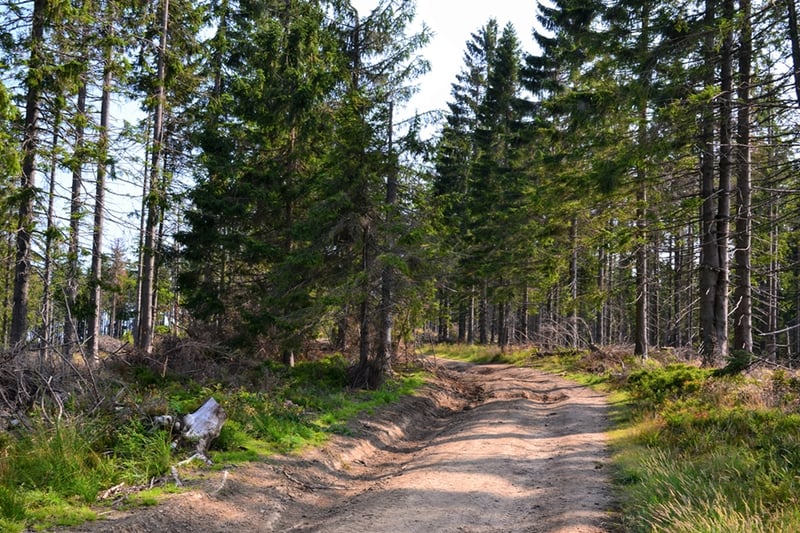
{"x": 772, "y": 282}
{"x": 743, "y": 311}
{"x": 75, "y": 215}
{"x": 471, "y": 316}
{"x": 8, "y": 291}
{"x": 384, "y": 353}
{"x": 47, "y": 291}
{"x": 641, "y": 341}
{"x": 364, "y": 344}
{"x": 142, "y": 226}
{"x": 30, "y": 144}
{"x": 441, "y": 326}
{"x": 462, "y": 322}
{"x": 573, "y": 318}
{"x": 641, "y": 344}
{"x": 154, "y": 200}
{"x": 95, "y": 281}
{"x": 522, "y": 329}
{"x": 599, "y": 320}
{"x": 483, "y": 314}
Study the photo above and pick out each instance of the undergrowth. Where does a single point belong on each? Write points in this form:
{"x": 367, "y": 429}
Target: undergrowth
{"x": 53, "y": 472}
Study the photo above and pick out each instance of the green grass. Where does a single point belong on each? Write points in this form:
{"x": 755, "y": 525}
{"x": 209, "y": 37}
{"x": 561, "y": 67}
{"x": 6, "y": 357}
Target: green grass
{"x": 52, "y": 474}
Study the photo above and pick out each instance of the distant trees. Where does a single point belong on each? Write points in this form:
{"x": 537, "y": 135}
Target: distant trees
{"x": 646, "y": 142}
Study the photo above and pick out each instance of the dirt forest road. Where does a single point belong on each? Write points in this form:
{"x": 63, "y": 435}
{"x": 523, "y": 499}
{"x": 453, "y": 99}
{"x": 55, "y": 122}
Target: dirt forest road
{"x": 490, "y": 448}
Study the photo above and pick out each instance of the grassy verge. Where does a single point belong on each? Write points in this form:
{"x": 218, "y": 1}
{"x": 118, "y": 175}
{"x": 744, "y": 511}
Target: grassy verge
{"x": 695, "y": 451}
{"x": 54, "y": 471}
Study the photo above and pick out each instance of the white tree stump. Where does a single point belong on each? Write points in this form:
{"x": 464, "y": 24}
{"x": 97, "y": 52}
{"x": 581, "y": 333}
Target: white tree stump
{"x": 203, "y": 426}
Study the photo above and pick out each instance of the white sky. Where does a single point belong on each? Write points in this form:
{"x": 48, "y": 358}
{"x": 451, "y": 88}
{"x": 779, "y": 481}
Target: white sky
{"x": 452, "y": 22}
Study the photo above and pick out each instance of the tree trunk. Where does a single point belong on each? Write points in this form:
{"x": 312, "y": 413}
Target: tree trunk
{"x": 148, "y": 283}
{"x": 384, "y": 353}
{"x": 8, "y": 288}
{"x": 364, "y": 375}
{"x": 641, "y": 341}
{"x": 743, "y": 311}
{"x": 709, "y": 256}
{"x": 642, "y": 289}
{"x": 30, "y": 143}
{"x": 724, "y": 193}
{"x": 795, "y": 40}
{"x": 522, "y": 329}
{"x": 483, "y": 315}
{"x": 442, "y": 332}
{"x": 471, "y": 316}
{"x": 462, "y": 322}
{"x": 95, "y": 281}
{"x": 75, "y": 215}
{"x": 47, "y": 292}
{"x": 573, "y": 317}
{"x": 772, "y": 281}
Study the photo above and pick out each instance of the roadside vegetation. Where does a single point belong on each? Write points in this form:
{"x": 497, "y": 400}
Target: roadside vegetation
{"x": 695, "y": 449}
{"x": 68, "y": 460}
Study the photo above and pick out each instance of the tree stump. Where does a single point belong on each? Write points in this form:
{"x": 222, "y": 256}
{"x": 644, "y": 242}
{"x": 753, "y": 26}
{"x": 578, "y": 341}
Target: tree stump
{"x": 203, "y": 426}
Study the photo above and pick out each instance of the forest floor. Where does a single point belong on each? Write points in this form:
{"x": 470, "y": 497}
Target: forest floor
{"x": 483, "y": 448}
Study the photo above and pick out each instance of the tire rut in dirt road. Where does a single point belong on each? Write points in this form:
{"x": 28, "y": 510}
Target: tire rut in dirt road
{"x": 526, "y": 454}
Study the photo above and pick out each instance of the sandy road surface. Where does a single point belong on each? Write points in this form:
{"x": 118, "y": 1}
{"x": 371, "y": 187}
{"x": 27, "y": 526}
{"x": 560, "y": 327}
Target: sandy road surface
{"x": 486, "y": 449}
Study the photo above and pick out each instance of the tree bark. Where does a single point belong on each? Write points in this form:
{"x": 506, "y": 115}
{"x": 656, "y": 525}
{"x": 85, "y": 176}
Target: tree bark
{"x": 384, "y": 353}
{"x": 709, "y": 254}
{"x": 30, "y": 144}
{"x": 47, "y": 292}
{"x": 483, "y": 315}
{"x": 641, "y": 341}
{"x": 146, "y": 305}
{"x": 573, "y": 315}
{"x": 95, "y": 281}
{"x": 743, "y": 311}
{"x": 795, "y": 41}
{"x": 724, "y": 194}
